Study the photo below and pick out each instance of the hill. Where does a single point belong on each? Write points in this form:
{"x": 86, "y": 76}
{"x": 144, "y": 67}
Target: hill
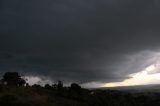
{"x": 14, "y": 91}
{"x": 49, "y": 96}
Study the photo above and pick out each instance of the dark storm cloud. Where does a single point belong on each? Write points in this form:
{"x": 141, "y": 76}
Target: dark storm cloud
{"x": 78, "y": 40}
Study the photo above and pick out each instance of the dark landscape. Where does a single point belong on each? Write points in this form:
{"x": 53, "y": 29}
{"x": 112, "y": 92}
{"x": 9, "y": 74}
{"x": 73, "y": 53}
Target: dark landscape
{"x": 79, "y": 52}
{"x": 14, "y": 91}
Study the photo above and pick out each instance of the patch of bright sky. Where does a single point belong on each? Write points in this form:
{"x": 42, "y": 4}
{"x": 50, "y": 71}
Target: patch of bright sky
{"x": 37, "y": 80}
{"x": 150, "y": 75}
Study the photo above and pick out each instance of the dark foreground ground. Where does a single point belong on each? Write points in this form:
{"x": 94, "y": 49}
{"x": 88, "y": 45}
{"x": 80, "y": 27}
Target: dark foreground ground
{"x": 67, "y": 96}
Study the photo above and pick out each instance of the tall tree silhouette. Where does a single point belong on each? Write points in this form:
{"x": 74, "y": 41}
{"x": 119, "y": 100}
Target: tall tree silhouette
{"x": 60, "y": 85}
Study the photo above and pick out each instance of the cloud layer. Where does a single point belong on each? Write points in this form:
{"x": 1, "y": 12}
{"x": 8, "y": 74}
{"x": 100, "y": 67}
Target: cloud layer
{"x": 78, "y": 40}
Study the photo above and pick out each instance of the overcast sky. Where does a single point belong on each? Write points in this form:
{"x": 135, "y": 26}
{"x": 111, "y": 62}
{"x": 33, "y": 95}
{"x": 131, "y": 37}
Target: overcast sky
{"x": 84, "y": 41}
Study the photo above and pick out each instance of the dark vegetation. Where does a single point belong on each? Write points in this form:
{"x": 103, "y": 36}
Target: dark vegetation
{"x": 14, "y": 91}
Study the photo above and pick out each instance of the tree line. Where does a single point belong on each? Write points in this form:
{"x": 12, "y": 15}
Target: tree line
{"x": 15, "y": 91}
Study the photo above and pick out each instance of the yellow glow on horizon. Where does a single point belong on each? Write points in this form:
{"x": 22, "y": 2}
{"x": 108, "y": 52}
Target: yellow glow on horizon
{"x": 141, "y": 78}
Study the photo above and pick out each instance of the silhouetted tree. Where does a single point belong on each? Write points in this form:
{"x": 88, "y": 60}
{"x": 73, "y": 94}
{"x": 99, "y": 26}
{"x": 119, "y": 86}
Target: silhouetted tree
{"x": 36, "y": 86}
{"x": 13, "y": 79}
{"x": 47, "y": 86}
{"x": 54, "y": 86}
{"x": 27, "y": 85}
{"x": 60, "y": 88}
{"x": 75, "y": 91}
{"x": 75, "y": 87}
{"x": 60, "y": 85}
{"x": 21, "y": 82}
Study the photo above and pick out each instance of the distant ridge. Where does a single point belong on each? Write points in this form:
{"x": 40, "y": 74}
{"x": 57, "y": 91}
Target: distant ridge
{"x": 136, "y": 87}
